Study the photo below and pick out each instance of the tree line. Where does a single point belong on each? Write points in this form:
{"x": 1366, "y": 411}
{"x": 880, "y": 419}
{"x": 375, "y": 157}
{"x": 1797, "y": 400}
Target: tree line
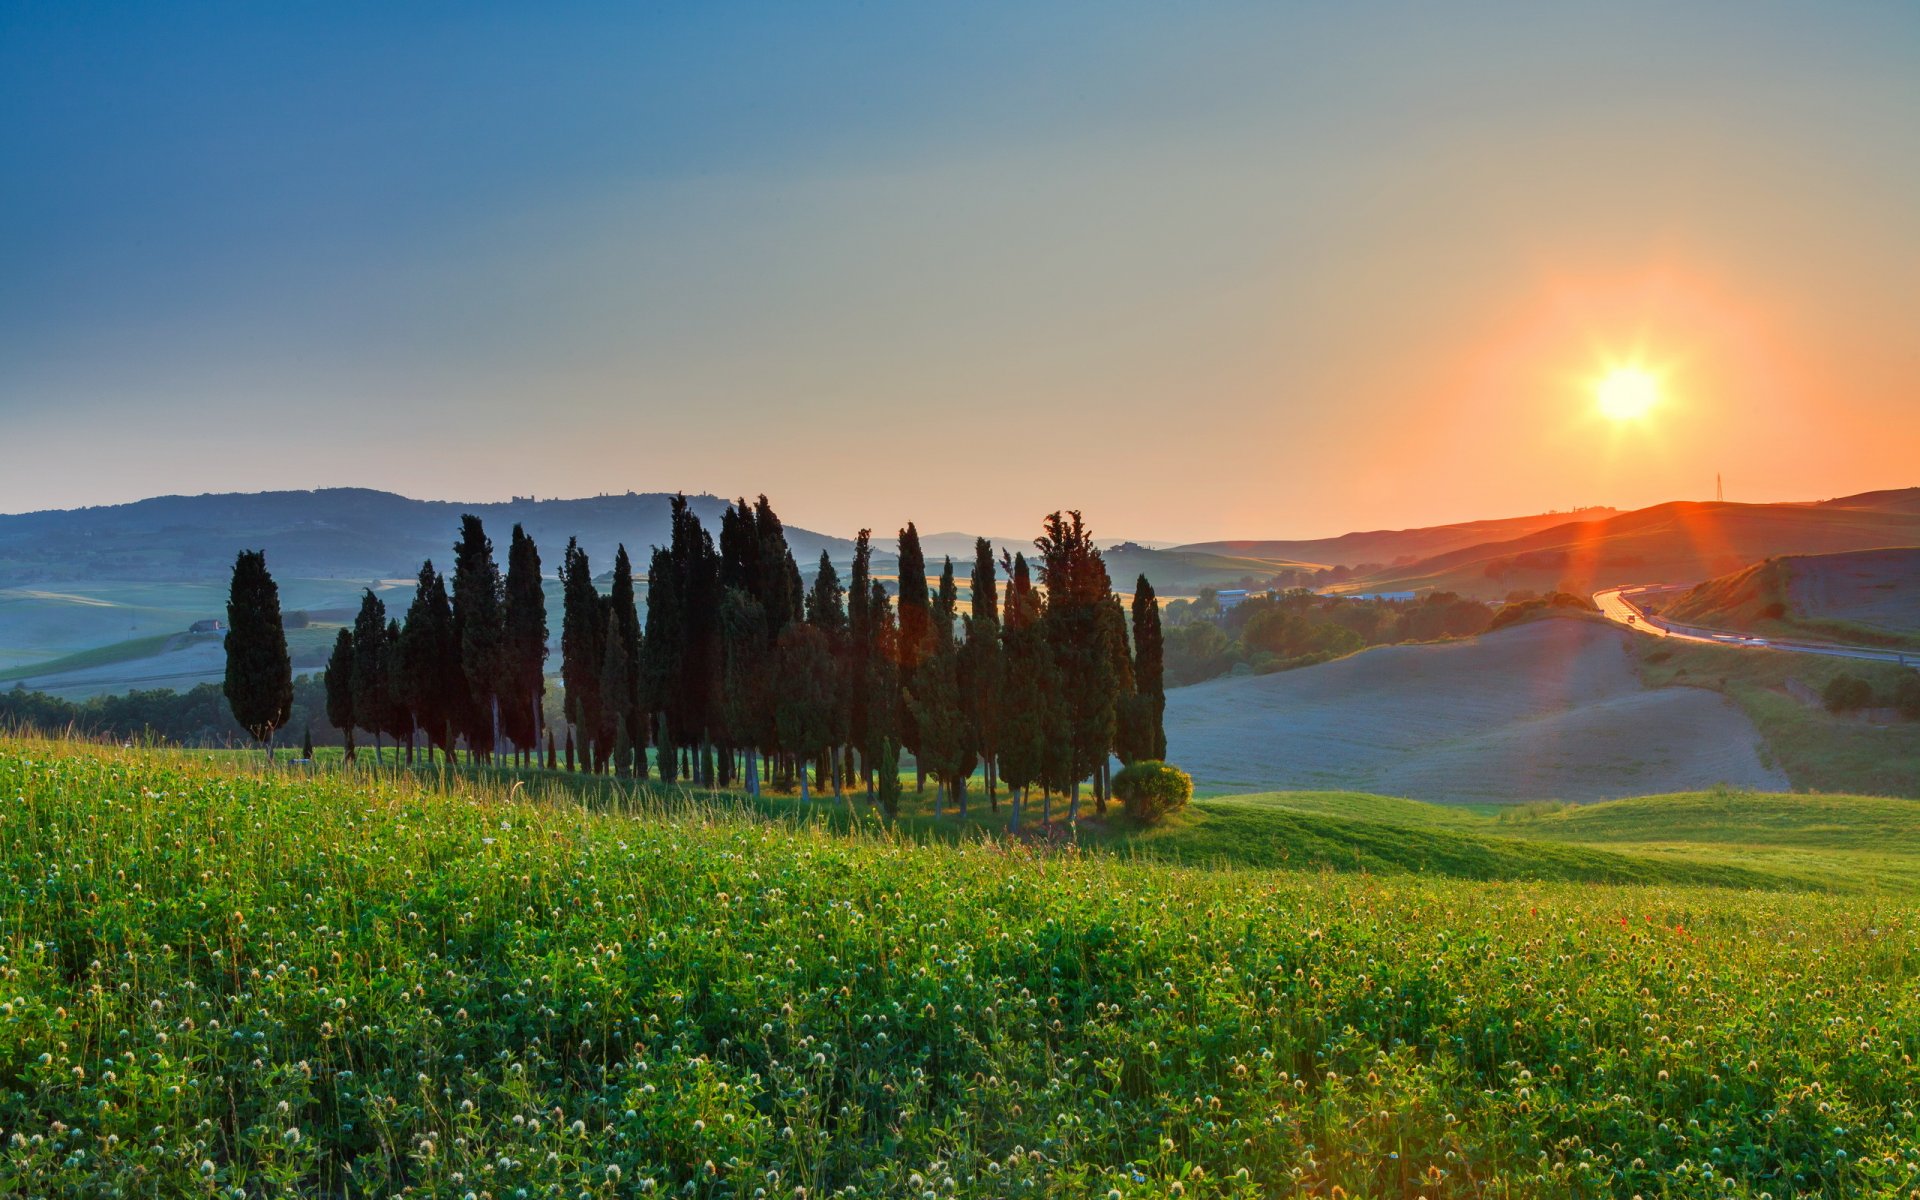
{"x": 737, "y": 670}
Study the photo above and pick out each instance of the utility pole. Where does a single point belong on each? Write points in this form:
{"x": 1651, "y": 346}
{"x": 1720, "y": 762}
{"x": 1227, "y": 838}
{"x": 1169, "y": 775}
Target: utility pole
{"x": 1719, "y": 492}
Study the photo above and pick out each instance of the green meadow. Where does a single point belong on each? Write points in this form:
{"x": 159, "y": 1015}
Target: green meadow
{"x": 223, "y": 982}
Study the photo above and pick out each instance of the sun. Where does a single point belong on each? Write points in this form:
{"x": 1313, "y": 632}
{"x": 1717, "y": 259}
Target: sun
{"x": 1627, "y": 393}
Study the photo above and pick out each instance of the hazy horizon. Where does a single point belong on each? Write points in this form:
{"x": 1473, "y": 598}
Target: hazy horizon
{"x": 1203, "y": 273}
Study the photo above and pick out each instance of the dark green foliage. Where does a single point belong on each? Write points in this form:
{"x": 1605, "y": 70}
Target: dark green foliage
{"x": 749, "y": 689}
{"x": 1149, "y": 673}
{"x": 1078, "y": 592}
{"x": 399, "y": 718}
{"x": 430, "y": 661}
{"x": 615, "y": 682}
{"x": 526, "y": 643}
{"x": 888, "y": 770}
{"x": 982, "y": 665}
{"x": 582, "y": 650}
{"x": 882, "y": 689}
{"x": 1846, "y": 693}
{"x": 682, "y": 651}
{"x": 372, "y": 680}
{"x": 306, "y": 745}
{"x": 1029, "y": 710}
{"x": 804, "y": 686}
{"x": 479, "y": 622}
{"x": 1128, "y": 736}
{"x": 859, "y": 646}
{"x": 914, "y": 636}
{"x": 624, "y": 707}
{"x": 340, "y": 686}
{"x": 1525, "y": 610}
{"x": 259, "y": 677}
{"x": 1906, "y": 695}
{"x": 1150, "y": 789}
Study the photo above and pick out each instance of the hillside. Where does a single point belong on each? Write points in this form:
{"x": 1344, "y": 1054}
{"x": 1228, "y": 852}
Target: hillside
{"x": 445, "y": 991}
{"x": 1392, "y": 545}
{"x": 1679, "y": 542}
{"x": 349, "y": 533}
{"x": 1865, "y": 597}
{"x": 1546, "y": 710}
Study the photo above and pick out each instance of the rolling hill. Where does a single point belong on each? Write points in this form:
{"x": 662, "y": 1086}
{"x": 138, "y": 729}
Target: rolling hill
{"x": 353, "y": 533}
{"x": 1391, "y": 545}
{"x": 1552, "y": 709}
{"x": 1681, "y": 542}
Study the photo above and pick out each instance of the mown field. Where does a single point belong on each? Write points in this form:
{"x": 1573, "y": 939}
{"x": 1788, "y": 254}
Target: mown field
{"x": 220, "y": 983}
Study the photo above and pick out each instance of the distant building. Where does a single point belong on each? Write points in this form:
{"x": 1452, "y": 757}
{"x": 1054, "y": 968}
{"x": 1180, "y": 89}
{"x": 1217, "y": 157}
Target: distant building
{"x": 207, "y": 627}
{"x": 1230, "y": 598}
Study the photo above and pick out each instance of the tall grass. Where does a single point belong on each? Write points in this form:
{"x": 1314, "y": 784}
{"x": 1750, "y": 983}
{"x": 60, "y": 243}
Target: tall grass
{"x": 224, "y": 983}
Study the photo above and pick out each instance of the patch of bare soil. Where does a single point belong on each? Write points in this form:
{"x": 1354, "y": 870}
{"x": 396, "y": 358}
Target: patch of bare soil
{"x": 1873, "y": 587}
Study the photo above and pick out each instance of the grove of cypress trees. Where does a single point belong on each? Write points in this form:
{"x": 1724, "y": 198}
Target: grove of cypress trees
{"x": 259, "y": 676}
{"x": 339, "y": 682}
{"x": 1028, "y": 706}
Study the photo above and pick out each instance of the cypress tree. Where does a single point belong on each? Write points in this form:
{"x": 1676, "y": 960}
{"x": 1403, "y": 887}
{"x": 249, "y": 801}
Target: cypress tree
{"x": 259, "y": 676}
{"x": 399, "y": 710}
{"x": 340, "y": 687}
{"x": 372, "y": 682}
{"x": 804, "y": 688}
{"x": 913, "y": 640}
{"x": 749, "y": 701}
{"x": 1122, "y": 723}
{"x": 859, "y": 649}
{"x": 613, "y": 684}
{"x": 526, "y": 644}
{"x": 430, "y": 661}
{"x": 882, "y": 689}
{"x": 582, "y": 648}
{"x": 1149, "y": 673}
{"x": 626, "y": 704}
{"x": 306, "y": 744}
{"x": 1077, "y": 586}
{"x": 827, "y": 612}
{"x": 981, "y": 666}
{"x": 479, "y": 620}
{"x": 1029, "y": 705}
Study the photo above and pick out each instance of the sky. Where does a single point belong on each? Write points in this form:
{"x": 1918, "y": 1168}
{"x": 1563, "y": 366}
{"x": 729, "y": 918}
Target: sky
{"x": 1200, "y": 270}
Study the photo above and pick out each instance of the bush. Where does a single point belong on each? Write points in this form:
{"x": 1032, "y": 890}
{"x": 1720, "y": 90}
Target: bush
{"x": 1846, "y": 693}
{"x": 1151, "y": 789}
{"x": 1906, "y": 696}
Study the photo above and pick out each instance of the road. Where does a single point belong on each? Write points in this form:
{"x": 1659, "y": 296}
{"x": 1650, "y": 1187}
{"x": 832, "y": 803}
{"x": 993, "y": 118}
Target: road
{"x": 1617, "y": 605}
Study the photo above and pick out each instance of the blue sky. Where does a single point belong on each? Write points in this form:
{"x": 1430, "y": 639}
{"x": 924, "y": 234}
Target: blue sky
{"x": 1202, "y": 270}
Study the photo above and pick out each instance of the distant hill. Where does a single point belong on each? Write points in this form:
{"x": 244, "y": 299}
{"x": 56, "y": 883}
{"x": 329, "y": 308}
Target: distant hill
{"x": 334, "y": 532}
{"x": 1387, "y": 546}
{"x": 1679, "y": 542}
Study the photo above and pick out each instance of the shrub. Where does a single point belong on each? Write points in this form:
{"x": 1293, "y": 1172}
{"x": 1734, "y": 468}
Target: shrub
{"x": 1846, "y": 693}
{"x": 1906, "y": 696}
{"x": 1151, "y": 789}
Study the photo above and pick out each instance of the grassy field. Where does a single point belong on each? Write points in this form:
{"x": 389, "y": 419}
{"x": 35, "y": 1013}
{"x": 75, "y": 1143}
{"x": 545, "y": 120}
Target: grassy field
{"x": 1818, "y": 750}
{"x": 219, "y": 983}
